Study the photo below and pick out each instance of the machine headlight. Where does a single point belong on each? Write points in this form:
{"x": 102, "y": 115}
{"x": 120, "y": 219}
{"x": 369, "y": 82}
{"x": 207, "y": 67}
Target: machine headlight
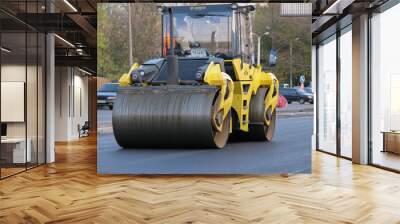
{"x": 145, "y": 73}
{"x": 201, "y": 72}
{"x": 137, "y": 75}
{"x": 134, "y": 75}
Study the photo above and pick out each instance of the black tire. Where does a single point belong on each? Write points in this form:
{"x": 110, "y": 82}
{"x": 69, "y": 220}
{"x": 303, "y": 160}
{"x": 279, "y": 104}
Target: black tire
{"x": 258, "y": 131}
{"x": 289, "y": 102}
{"x": 301, "y": 101}
{"x": 110, "y": 107}
{"x": 261, "y": 132}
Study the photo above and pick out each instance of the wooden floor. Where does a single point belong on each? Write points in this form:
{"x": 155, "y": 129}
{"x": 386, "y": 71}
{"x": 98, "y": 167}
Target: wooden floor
{"x": 5, "y": 172}
{"x": 70, "y": 191}
{"x": 387, "y": 159}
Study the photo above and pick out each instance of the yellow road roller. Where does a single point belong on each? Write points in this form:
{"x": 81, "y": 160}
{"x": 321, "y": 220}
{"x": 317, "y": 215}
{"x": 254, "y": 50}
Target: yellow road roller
{"x": 205, "y": 87}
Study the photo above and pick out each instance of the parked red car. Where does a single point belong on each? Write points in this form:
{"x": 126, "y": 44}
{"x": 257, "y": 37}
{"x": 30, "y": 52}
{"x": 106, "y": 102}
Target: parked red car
{"x": 282, "y": 102}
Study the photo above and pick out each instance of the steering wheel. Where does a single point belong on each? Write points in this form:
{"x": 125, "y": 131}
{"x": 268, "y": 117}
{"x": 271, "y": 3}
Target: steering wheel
{"x": 194, "y": 44}
{"x": 220, "y": 55}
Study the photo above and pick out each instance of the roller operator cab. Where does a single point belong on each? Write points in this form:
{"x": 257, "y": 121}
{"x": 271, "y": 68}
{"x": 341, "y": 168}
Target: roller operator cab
{"x": 205, "y": 86}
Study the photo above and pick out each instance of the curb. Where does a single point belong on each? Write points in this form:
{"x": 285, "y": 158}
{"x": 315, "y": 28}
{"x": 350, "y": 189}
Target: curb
{"x": 104, "y": 130}
{"x": 297, "y": 114}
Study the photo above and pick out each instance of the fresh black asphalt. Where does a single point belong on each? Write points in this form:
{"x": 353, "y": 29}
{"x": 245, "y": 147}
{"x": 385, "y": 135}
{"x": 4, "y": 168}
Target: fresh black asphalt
{"x": 289, "y": 152}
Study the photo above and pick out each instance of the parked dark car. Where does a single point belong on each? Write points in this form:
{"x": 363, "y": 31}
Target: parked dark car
{"x": 306, "y": 89}
{"x": 106, "y": 95}
{"x": 296, "y": 95}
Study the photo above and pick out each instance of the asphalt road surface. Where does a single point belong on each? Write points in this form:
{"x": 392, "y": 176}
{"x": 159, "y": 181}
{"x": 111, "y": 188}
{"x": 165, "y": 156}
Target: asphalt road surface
{"x": 104, "y": 117}
{"x": 289, "y": 152}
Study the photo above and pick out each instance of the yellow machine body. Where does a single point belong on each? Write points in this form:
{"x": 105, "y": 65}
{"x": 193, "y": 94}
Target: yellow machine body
{"x": 125, "y": 79}
{"x": 249, "y": 80}
{"x": 196, "y": 97}
{"x": 234, "y": 95}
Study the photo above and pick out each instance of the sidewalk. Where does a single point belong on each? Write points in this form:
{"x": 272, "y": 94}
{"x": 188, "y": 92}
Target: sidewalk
{"x": 296, "y": 110}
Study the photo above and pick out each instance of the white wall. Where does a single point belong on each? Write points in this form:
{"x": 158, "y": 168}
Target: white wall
{"x": 17, "y": 73}
{"x": 79, "y": 111}
{"x": 62, "y": 81}
{"x": 71, "y": 102}
{"x": 33, "y": 125}
{"x": 12, "y": 73}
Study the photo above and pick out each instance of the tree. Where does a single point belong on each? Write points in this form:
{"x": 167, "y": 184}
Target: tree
{"x": 281, "y": 31}
{"x": 113, "y": 59}
{"x": 113, "y": 51}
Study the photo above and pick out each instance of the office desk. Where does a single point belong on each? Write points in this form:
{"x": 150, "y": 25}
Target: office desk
{"x": 13, "y": 150}
{"x": 391, "y": 141}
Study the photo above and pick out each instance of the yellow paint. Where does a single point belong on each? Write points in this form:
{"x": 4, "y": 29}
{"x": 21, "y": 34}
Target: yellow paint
{"x": 215, "y": 77}
{"x": 126, "y": 79}
{"x": 249, "y": 80}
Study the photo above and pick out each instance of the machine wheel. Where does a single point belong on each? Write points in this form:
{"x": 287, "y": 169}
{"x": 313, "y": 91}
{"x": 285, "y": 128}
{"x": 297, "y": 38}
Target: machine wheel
{"x": 221, "y": 138}
{"x": 263, "y": 132}
{"x": 258, "y": 130}
{"x": 302, "y": 101}
{"x": 110, "y": 107}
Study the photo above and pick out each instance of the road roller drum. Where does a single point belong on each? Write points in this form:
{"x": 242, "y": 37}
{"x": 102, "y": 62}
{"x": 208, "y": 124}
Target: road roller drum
{"x": 167, "y": 116}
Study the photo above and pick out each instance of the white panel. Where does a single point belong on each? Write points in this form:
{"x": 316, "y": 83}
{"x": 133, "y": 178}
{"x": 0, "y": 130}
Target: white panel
{"x": 296, "y": 9}
{"x": 346, "y": 93}
{"x": 20, "y": 155}
{"x": 77, "y": 112}
{"x": 338, "y": 6}
{"x": 395, "y": 102}
{"x": 12, "y": 101}
{"x": 360, "y": 90}
{"x": 327, "y": 96}
{"x": 50, "y": 92}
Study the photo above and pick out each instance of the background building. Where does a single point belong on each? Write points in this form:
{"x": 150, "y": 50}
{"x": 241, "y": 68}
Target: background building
{"x": 48, "y": 69}
{"x": 355, "y": 76}
{"x": 357, "y": 80}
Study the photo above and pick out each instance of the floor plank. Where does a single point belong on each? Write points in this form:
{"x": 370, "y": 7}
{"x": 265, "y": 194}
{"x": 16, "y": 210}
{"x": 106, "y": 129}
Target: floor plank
{"x": 70, "y": 191}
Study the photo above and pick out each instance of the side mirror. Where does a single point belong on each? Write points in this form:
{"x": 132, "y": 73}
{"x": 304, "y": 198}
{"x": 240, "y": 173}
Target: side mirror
{"x": 194, "y": 44}
{"x": 273, "y": 56}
